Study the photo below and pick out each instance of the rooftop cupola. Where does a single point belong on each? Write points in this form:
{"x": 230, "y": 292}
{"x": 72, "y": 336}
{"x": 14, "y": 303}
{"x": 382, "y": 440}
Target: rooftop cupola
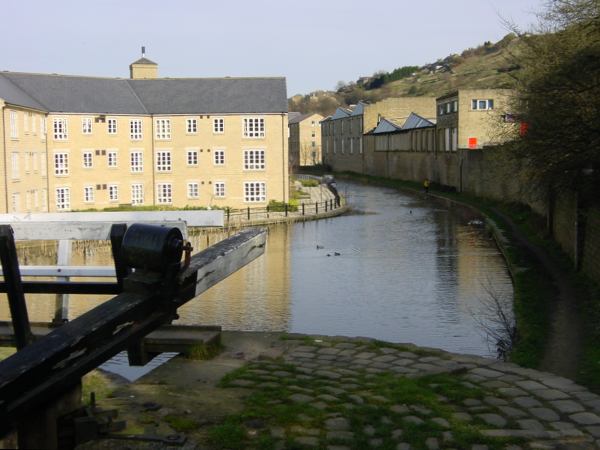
{"x": 143, "y": 68}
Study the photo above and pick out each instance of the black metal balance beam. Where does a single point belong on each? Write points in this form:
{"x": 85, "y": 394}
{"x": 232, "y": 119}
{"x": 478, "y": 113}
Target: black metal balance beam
{"x": 43, "y": 370}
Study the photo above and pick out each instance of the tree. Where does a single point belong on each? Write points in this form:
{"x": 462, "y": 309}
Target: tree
{"x": 558, "y": 91}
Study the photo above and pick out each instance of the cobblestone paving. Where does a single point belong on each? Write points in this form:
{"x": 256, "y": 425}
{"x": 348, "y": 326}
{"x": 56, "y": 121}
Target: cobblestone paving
{"x": 352, "y": 394}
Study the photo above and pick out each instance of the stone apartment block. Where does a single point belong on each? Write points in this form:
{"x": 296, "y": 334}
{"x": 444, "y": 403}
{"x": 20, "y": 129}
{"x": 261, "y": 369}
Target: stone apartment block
{"x": 74, "y": 142}
{"x": 342, "y": 133}
{"x": 470, "y": 118}
{"x": 305, "y": 140}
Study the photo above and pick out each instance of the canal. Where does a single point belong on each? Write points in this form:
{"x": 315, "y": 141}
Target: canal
{"x": 401, "y": 267}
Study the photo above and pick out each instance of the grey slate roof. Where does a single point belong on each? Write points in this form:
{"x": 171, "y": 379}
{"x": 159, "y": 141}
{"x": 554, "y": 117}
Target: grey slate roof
{"x": 62, "y": 93}
{"x": 416, "y": 121}
{"x": 358, "y": 109}
{"x": 11, "y": 93}
{"x": 386, "y": 126}
{"x": 144, "y": 61}
{"x": 340, "y": 113}
{"x": 292, "y": 115}
{"x": 298, "y": 117}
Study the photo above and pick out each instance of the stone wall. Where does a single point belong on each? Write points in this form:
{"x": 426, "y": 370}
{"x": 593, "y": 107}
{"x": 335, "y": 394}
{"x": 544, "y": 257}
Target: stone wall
{"x": 485, "y": 173}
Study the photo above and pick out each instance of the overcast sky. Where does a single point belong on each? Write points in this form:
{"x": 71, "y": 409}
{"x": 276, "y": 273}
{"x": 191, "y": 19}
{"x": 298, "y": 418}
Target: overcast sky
{"x": 314, "y": 44}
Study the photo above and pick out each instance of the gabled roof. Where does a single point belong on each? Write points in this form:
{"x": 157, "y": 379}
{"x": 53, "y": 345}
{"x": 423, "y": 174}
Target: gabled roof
{"x": 145, "y": 61}
{"x": 386, "y": 126}
{"x": 415, "y": 121}
{"x": 292, "y": 115}
{"x": 64, "y": 93}
{"x": 13, "y": 94}
{"x": 340, "y": 113}
{"x": 358, "y": 109}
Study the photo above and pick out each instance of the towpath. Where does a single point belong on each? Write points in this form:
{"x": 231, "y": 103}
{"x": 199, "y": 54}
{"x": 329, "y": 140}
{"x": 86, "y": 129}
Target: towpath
{"x": 269, "y": 390}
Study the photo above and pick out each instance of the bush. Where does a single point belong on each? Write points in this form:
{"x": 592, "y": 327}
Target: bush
{"x": 311, "y": 182}
{"x": 276, "y": 206}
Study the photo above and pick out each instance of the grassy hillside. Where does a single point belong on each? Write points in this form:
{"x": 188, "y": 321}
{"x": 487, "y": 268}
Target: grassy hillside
{"x": 487, "y": 66}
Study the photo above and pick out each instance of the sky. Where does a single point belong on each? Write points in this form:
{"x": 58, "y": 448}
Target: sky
{"x": 313, "y": 43}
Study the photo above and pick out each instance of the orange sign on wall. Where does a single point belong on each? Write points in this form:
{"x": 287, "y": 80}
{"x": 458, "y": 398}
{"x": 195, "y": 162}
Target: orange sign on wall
{"x": 472, "y": 142}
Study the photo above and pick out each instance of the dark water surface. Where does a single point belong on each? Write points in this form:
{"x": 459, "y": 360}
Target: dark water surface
{"x": 401, "y": 268}
{"x": 410, "y": 269}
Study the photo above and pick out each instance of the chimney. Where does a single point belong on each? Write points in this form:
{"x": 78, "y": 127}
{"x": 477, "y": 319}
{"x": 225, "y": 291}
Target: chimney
{"x": 143, "y": 68}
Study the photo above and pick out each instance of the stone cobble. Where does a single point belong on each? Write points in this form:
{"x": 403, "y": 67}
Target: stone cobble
{"x": 360, "y": 394}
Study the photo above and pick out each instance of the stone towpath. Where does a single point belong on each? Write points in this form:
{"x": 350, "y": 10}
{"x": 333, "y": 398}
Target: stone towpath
{"x": 267, "y": 390}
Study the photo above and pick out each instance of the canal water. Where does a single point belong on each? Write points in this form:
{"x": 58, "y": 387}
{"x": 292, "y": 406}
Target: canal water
{"x": 401, "y": 267}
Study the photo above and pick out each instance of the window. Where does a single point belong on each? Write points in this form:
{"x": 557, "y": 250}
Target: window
{"x": 454, "y": 138}
{"x": 219, "y": 189}
{"x": 28, "y": 201}
{"x": 60, "y": 129}
{"x": 254, "y": 159}
{"x": 14, "y": 159}
{"x": 87, "y": 160}
{"x": 163, "y": 161}
{"x": 86, "y": 125}
{"x": 218, "y": 126}
{"x": 27, "y": 157}
{"x": 43, "y": 127}
{"x": 112, "y": 126}
{"x": 25, "y": 123}
{"x": 191, "y": 126}
{"x": 192, "y": 190}
{"x": 137, "y": 194}
{"x": 111, "y": 157}
{"x": 219, "y": 157}
{"x": 14, "y": 125}
{"x": 164, "y": 193}
{"x": 36, "y": 199}
{"x": 135, "y": 129}
{"x": 482, "y": 105}
{"x": 88, "y": 194}
{"x": 255, "y": 191}
{"x": 35, "y": 162}
{"x": 254, "y": 127}
{"x": 113, "y": 193}
{"x": 63, "y": 198}
{"x": 61, "y": 164}
{"x": 137, "y": 161}
{"x": 16, "y": 202}
{"x": 44, "y": 199}
{"x": 43, "y": 165}
{"x": 192, "y": 157}
{"x": 163, "y": 129}
{"x": 447, "y": 139}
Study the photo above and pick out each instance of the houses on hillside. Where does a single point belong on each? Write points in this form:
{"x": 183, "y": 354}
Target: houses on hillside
{"x": 75, "y": 142}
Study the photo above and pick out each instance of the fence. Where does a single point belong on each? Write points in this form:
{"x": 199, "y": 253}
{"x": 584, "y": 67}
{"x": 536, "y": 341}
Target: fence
{"x": 280, "y": 212}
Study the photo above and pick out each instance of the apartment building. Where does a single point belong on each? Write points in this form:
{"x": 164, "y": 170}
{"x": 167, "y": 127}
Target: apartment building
{"x": 470, "y": 118}
{"x": 305, "y": 140}
{"x": 72, "y": 142}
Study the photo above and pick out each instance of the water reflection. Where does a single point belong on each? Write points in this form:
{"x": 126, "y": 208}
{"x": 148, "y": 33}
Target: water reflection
{"x": 402, "y": 268}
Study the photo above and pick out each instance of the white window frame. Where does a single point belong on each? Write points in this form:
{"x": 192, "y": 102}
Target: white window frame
{"x": 86, "y": 125}
{"x": 162, "y": 130}
{"x": 135, "y": 130}
{"x": 191, "y": 157}
{"x": 219, "y": 189}
{"x": 14, "y": 166}
{"x": 44, "y": 199}
{"x": 88, "y": 159}
{"x": 112, "y": 125}
{"x": 16, "y": 201}
{"x": 112, "y": 159}
{"x": 218, "y": 125}
{"x": 255, "y": 191}
{"x": 219, "y": 157}
{"x": 137, "y": 194}
{"x": 191, "y": 125}
{"x": 136, "y": 161}
{"x": 113, "y": 193}
{"x": 481, "y": 104}
{"x": 60, "y": 129}
{"x": 253, "y": 127}
{"x": 164, "y": 162}
{"x": 25, "y": 123}
{"x": 62, "y": 198}
{"x": 88, "y": 194}
{"x": 193, "y": 190}
{"x": 14, "y": 124}
{"x": 164, "y": 193}
{"x": 61, "y": 164}
{"x": 254, "y": 159}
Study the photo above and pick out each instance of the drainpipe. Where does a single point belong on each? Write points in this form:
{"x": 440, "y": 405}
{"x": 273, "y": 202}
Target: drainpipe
{"x": 283, "y": 160}
{"x": 5, "y": 161}
{"x": 153, "y": 166}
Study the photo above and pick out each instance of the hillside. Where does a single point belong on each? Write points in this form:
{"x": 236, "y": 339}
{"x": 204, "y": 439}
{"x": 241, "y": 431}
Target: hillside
{"x": 487, "y": 66}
